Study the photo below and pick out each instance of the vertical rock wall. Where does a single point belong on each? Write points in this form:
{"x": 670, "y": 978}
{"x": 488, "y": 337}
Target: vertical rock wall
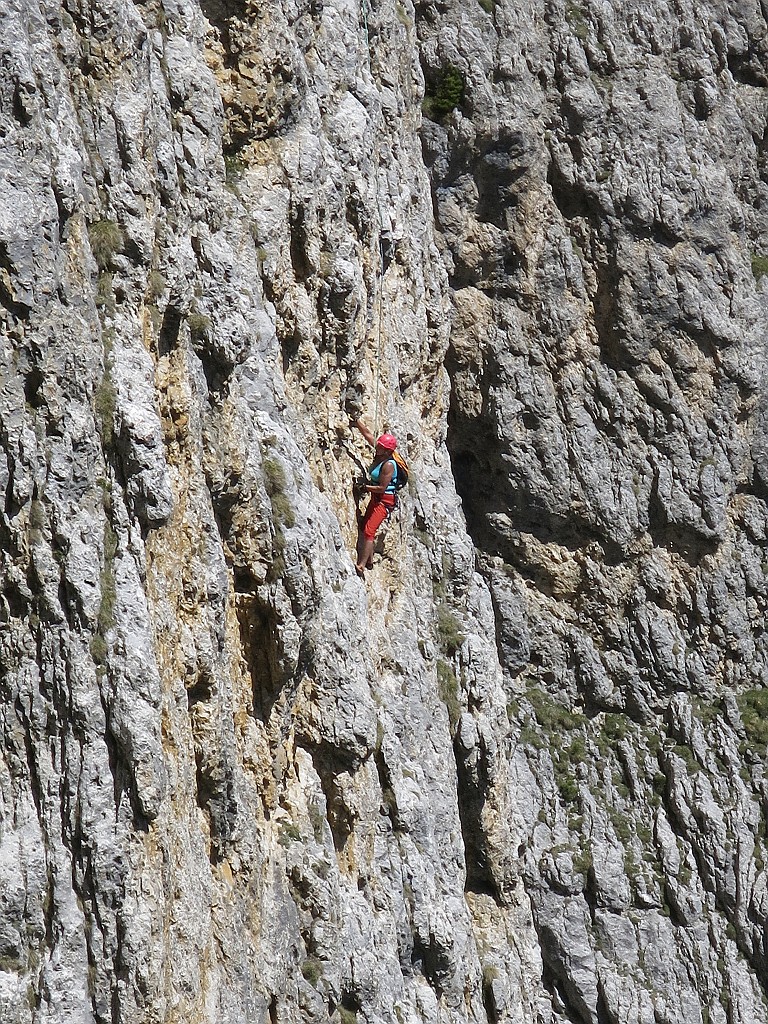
{"x": 602, "y": 194}
{"x": 228, "y": 780}
{"x": 517, "y": 774}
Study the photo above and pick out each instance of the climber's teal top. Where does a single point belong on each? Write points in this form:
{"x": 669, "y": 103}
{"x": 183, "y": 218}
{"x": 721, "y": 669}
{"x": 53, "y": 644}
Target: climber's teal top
{"x": 375, "y": 470}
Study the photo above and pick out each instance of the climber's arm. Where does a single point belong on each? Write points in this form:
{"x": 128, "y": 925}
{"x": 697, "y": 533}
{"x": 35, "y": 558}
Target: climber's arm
{"x": 361, "y": 426}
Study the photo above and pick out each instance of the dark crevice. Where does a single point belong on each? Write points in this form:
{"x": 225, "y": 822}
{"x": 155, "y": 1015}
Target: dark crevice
{"x": 258, "y": 636}
{"x": 33, "y": 383}
{"x": 214, "y": 774}
{"x": 298, "y": 236}
{"x": 122, "y": 781}
{"x": 493, "y": 276}
{"x": 483, "y": 485}
{"x": 471, "y": 798}
{"x": 496, "y": 173}
{"x": 327, "y": 765}
{"x": 243, "y": 580}
{"x": 220, "y": 13}
{"x": 489, "y": 1003}
{"x": 289, "y": 345}
{"x": 433, "y": 960}
{"x": 756, "y": 485}
{"x": 20, "y": 111}
{"x": 34, "y": 778}
{"x": 131, "y": 248}
{"x": 226, "y": 496}
{"x": 676, "y": 917}
{"x": 47, "y": 611}
{"x": 69, "y": 600}
{"x": 200, "y": 691}
{"x": 168, "y": 338}
{"x": 350, "y": 1001}
{"x": 388, "y": 798}
{"x": 569, "y": 198}
{"x": 749, "y": 68}
{"x": 63, "y": 213}
{"x": 480, "y": 886}
{"x": 606, "y": 317}
{"x": 217, "y": 357}
{"x": 604, "y": 1016}
{"x": 216, "y": 797}
{"x": 684, "y": 540}
{"x": 555, "y": 984}
{"x": 217, "y": 367}
{"x": 17, "y": 601}
{"x": 18, "y": 309}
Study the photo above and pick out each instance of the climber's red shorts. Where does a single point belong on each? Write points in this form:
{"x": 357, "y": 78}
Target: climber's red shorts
{"x": 378, "y": 509}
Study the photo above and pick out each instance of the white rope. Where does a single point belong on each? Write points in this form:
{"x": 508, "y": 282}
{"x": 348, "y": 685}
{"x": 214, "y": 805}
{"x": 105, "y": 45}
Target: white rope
{"x": 380, "y": 274}
{"x": 378, "y": 339}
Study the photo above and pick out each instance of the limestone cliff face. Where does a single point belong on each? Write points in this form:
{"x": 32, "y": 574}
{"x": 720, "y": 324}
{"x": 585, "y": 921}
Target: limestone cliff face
{"x": 517, "y": 774}
{"x": 603, "y": 202}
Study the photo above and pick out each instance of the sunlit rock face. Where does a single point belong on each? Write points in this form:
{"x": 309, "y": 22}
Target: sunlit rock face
{"x": 514, "y": 775}
{"x": 602, "y": 198}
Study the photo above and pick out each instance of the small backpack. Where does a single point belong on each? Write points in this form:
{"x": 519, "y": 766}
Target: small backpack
{"x": 403, "y": 473}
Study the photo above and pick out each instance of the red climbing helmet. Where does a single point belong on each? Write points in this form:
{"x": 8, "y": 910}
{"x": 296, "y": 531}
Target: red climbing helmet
{"x": 388, "y": 441}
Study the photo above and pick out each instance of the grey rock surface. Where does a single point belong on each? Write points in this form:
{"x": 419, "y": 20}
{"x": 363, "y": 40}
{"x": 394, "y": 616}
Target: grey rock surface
{"x": 607, "y": 356}
{"x": 517, "y": 775}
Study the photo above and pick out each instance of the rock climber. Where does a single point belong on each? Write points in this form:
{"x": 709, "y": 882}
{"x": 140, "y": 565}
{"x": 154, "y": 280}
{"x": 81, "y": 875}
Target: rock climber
{"x": 382, "y": 486}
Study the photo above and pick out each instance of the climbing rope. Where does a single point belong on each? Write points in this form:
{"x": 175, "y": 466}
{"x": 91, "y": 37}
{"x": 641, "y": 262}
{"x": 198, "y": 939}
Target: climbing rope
{"x": 378, "y": 332}
{"x": 380, "y": 274}
{"x": 364, "y": 12}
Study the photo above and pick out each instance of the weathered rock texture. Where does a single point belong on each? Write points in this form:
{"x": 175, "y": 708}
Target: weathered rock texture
{"x": 603, "y": 203}
{"x": 518, "y": 774}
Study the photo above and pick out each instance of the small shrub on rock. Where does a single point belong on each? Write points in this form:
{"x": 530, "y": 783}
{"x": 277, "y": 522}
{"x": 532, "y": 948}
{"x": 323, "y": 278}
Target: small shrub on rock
{"x": 753, "y": 706}
{"x": 445, "y": 95}
{"x": 448, "y": 688}
{"x": 106, "y": 239}
{"x": 199, "y": 325}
